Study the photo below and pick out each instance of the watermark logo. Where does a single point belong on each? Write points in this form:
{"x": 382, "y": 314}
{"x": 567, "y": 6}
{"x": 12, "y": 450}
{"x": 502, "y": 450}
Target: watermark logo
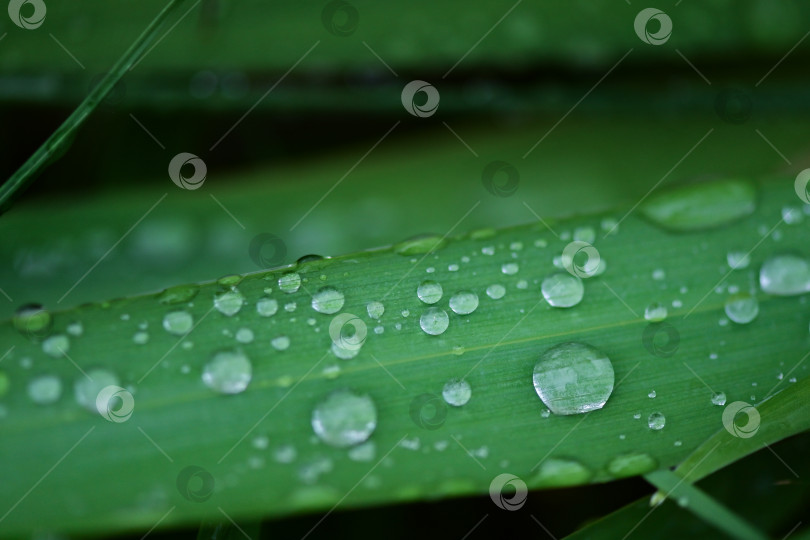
{"x": 28, "y": 14}
{"x": 572, "y": 259}
{"x": 428, "y": 411}
{"x": 340, "y": 18}
{"x": 500, "y": 178}
{"x": 803, "y": 186}
{"x": 642, "y": 26}
{"x": 431, "y": 104}
{"x": 185, "y": 160}
{"x": 111, "y": 396}
{"x": 195, "y": 484}
{"x": 733, "y": 411}
{"x": 267, "y": 250}
{"x": 733, "y": 106}
{"x": 661, "y": 339}
{"x": 348, "y": 332}
{"x": 516, "y": 501}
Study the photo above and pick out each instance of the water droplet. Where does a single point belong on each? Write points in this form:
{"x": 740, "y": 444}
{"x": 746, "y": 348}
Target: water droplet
{"x": 631, "y": 465}
{"x": 573, "y": 378}
{"x": 655, "y": 312}
{"x": 289, "y": 307}
{"x": 434, "y": 321}
{"x": 554, "y": 472}
{"x": 140, "y": 338}
{"x": 742, "y": 309}
{"x": 364, "y": 452}
{"x": 719, "y": 399}
{"x": 285, "y": 453}
{"x": 375, "y": 309}
{"x": 609, "y": 225}
{"x": 86, "y": 389}
{"x": 522, "y": 284}
{"x": 327, "y": 300}
{"x": 228, "y": 372}
{"x": 510, "y": 268}
{"x": 792, "y": 215}
{"x": 33, "y": 321}
{"x": 738, "y": 260}
{"x": 452, "y": 268}
{"x": 540, "y": 243}
{"x": 311, "y": 471}
{"x": 488, "y": 250}
{"x": 429, "y": 292}
{"x": 178, "y": 323}
{"x": 420, "y": 244}
{"x": 260, "y": 442}
{"x": 652, "y": 394}
{"x": 229, "y": 303}
{"x": 56, "y": 345}
{"x": 584, "y": 234}
{"x": 344, "y": 353}
{"x": 244, "y": 335}
{"x": 785, "y": 275}
{"x": 701, "y": 205}
{"x": 406, "y": 313}
{"x": 45, "y": 389}
{"x": 280, "y": 343}
{"x": 179, "y": 294}
{"x": 267, "y": 307}
{"x": 231, "y": 280}
{"x": 456, "y": 392}
{"x": 289, "y": 282}
{"x": 659, "y": 274}
{"x": 344, "y": 418}
{"x": 656, "y": 421}
{"x": 75, "y": 329}
{"x": 464, "y": 302}
{"x": 496, "y": 291}
{"x": 562, "y": 290}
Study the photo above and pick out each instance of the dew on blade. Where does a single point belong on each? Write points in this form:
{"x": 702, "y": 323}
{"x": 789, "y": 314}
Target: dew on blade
{"x": 573, "y": 378}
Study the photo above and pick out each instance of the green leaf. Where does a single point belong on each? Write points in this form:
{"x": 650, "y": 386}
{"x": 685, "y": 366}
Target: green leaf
{"x": 186, "y": 452}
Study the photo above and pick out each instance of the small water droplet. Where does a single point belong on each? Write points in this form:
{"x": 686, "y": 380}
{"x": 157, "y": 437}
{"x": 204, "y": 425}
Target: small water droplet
{"x": 244, "y": 335}
{"x": 562, "y": 290}
{"x": 785, "y": 275}
{"x": 289, "y": 307}
{"x": 420, "y": 244}
{"x": 429, "y": 292}
{"x": 452, "y": 268}
{"x": 228, "y": 372}
{"x": 56, "y": 345}
{"x": 719, "y": 399}
{"x": 631, "y": 465}
{"x": 229, "y": 281}
{"x": 75, "y": 329}
{"x": 140, "y": 338}
{"x": 179, "y": 294}
{"x": 260, "y": 442}
{"x": 405, "y": 313}
{"x": 45, "y": 389}
{"x": 434, "y": 321}
{"x": 375, "y": 309}
{"x": 33, "y": 321}
{"x": 178, "y": 323}
{"x": 555, "y": 472}
{"x": 229, "y": 303}
{"x": 510, "y": 268}
{"x": 609, "y": 225}
{"x": 86, "y": 389}
{"x": 742, "y": 309}
{"x": 464, "y": 302}
{"x": 792, "y": 215}
{"x": 344, "y": 418}
{"x": 656, "y": 421}
{"x": 584, "y": 234}
{"x": 652, "y": 394}
{"x": 289, "y": 282}
{"x": 738, "y": 260}
{"x": 659, "y": 274}
{"x": 496, "y": 291}
{"x": 285, "y": 453}
{"x": 267, "y": 307}
{"x": 364, "y": 452}
{"x": 573, "y": 378}
{"x": 655, "y": 312}
{"x": 488, "y": 250}
{"x": 280, "y": 343}
{"x": 456, "y": 392}
{"x": 327, "y": 300}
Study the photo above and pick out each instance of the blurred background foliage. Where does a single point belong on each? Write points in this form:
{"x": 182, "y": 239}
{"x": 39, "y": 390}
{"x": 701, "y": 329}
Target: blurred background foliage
{"x": 733, "y": 72}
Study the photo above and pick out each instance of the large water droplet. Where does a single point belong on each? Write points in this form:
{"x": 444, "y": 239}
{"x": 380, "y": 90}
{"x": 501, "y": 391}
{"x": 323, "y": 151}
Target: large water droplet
{"x": 178, "y": 323}
{"x": 562, "y": 290}
{"x": 656, "y": 421}
{"x": 375, "y": 309}
{"x": 701, "y": 206}
{"x": 573, "y": 378}
{"x": 229, "y": 303}
{"x": 87, "y": 388}
{"x": 267, "y": 307}
{"x": 33, "y": 321}
{"x": 742, "y": 309}
{"x": 56, "y": 345}
{"x": 327, "y": 300}
{"x": 45, "y": 389}
{"x": 464, "y": 302}
{"x": 228, "y": 372}
{"x": 496, "y": 291}
{"x": 434, "y": 321}
{"x": 344, "y": 418}
{"x": 420, "y": 244}
{"x": 555, "y": 472}
{"x": 631, "y": 465}
{"x": 456, "y": 392}
{"x": 289, "y": 282}
{"x": 429, "y": 292}
{"x": 655, "y": 312}
{"x": 785, "y": 275}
